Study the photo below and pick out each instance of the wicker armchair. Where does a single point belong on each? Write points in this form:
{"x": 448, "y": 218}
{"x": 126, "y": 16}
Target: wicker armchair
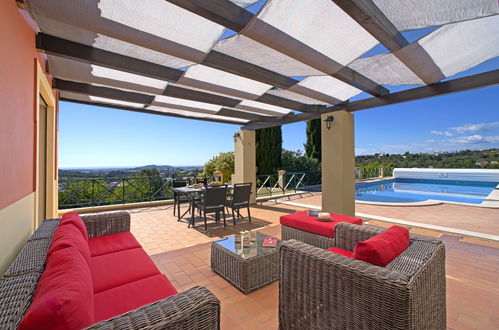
{"x": 196, "y": 308}
{"x": 324, "y": 290}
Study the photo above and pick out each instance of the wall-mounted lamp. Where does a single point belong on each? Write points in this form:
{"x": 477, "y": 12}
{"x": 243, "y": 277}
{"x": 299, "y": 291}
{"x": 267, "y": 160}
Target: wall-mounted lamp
{"x": 236, "y": 135}
{"x": 329, "y": 120}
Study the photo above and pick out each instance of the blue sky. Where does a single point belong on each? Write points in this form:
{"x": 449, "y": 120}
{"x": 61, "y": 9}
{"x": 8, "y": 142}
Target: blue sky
{"x": 101, "y": 137}
{"x": 95, "y": 136}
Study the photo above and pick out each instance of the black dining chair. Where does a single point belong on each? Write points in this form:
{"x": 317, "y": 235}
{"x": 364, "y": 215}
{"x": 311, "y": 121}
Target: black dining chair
{"x": 240, "y": 199}
{"x": 212, "y": 201}
{"x": 179, "y": 198}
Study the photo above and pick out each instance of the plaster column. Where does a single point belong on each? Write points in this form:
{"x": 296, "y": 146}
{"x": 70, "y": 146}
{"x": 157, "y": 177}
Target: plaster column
{"x": 245, "y": 160}
{"x": 281, "y": 179}
{"x": 338, "y": 164}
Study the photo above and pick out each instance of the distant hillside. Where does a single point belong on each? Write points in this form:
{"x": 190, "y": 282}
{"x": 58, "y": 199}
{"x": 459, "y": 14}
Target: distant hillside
{"x": 461, "y": 159}
{"x": 158, "y": 167}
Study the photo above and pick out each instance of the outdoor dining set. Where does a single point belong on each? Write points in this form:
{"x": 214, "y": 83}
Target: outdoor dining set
{"x": 211, "y": 198}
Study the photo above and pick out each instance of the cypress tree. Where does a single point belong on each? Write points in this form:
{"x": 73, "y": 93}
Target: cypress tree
{"x": 268, "y": 150}
{"x": 313, "y": 145}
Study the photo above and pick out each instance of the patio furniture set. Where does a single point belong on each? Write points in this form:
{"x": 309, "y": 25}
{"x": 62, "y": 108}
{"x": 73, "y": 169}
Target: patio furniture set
{"x": 91, "y": 272}
{"x": 211, "y": 199}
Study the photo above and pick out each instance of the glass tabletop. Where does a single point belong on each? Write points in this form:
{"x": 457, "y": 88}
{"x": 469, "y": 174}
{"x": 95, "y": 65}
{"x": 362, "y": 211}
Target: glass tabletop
{"x": 254, "y": 249}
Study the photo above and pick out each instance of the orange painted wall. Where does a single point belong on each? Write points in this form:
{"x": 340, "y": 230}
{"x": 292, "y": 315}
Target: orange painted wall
{"x": 17, "y": 104}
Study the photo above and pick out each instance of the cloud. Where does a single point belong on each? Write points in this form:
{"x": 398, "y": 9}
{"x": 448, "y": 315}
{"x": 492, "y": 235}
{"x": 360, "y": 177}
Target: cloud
{"x": 445, "y": 133}
{"x": 472, "y": 128}
{"x": 471, "y": 142}
{"x": 475, "y": 140}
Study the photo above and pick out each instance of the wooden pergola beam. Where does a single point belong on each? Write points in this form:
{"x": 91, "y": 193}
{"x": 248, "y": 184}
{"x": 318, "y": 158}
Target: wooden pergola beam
{"x": 374, "y": 21}
{"x": 222, "y": 12}
{"x": 192, "y": 95}
{"x": 242, "y": 68}
{"x": 244, "y": 115}
{"x": 151, "y": 112}
{"x": 100, "y": 91}
{"x": 480, "y": 80}
{"x": 230, "y": 15}
{"x": 118, "y": 94}
{"x": 87, "y": 54}
{"x": 289, "y": 104}
{"x": 121, "y": 95}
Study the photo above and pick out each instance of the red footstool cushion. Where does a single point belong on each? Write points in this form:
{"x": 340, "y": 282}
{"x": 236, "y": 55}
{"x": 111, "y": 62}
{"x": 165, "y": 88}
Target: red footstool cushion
{"x": 302, "y": 221}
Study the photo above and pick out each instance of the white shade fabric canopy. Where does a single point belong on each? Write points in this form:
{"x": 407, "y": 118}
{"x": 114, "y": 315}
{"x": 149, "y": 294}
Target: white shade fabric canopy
{"x": 171, "y": 57}
{"x": 223, "y": 82}
{"x": 417, "y": 14}
{"x": 453, "y": 48}
{"x": 97, "y": 99}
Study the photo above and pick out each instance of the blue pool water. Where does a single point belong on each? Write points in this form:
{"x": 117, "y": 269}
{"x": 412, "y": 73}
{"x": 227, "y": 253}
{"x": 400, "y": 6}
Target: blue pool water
{"x": 417, "y": 190}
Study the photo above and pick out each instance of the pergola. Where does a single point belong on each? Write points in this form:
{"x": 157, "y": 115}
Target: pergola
{"x": 291, "y": 61}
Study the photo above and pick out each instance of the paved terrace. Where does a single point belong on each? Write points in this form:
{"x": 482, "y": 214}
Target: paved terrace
{"x": 184, "y": 256}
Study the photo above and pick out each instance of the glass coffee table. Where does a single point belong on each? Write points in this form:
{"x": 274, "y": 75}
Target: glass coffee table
{"x": 247, "y": 268}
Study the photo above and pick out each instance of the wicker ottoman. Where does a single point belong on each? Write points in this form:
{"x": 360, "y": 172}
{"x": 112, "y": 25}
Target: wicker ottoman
{"x": 302, "y": 227}
{"x": 246, "y": 268}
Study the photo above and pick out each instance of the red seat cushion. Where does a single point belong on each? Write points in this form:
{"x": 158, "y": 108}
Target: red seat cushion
{"x": 74, "y": 219}
{"x": 112, "y": 243}
{"x": 381, "y": 249}
{"x": 127, "y": 297}
{"x": 302, "y": 221}
{"x": 64, "y": 297}
{"x": 345, "y": 253}
{"x": 118, "y": 268}
{"x": 69, "y": 236}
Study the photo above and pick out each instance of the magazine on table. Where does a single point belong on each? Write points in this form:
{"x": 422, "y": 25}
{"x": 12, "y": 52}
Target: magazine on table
{"x": 269, "y": 241}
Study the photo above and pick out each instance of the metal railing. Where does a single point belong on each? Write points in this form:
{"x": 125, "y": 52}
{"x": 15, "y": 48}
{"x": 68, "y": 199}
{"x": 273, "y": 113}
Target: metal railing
{"x": 277, "y": 184}
{"x": 89, "y": 192}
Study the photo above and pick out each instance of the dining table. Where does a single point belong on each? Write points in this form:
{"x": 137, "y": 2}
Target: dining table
{"x": 192, "y": 192}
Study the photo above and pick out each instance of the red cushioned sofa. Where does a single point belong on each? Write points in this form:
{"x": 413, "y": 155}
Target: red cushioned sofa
{"x": 90, "y": 271}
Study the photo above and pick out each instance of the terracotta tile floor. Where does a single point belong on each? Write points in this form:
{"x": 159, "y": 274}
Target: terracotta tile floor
{"x": 478, "y": 219}
{"x": 184, "y": 256}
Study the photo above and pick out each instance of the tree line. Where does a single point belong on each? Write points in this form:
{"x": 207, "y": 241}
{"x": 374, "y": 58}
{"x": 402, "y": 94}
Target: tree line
{"x": 271, "y": 157}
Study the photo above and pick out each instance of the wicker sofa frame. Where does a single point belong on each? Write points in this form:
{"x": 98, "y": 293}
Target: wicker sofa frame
{"x": 324, "y": 290}
{"x": 196, "y": 308}
{"x": 323, "y": 242}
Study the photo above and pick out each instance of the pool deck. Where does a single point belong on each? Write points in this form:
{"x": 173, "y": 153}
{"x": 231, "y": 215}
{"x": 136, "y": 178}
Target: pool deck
{"x": 492, "y": 199}
{"x": 462, "y": 217}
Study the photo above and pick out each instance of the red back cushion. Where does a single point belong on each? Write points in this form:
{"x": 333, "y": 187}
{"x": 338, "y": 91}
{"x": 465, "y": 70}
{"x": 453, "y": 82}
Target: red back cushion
{"x": 381, "y": 249}
{"x": 69, "y": 236}
{"x": 74, "y": 219}
{"x": 64, "y": 297}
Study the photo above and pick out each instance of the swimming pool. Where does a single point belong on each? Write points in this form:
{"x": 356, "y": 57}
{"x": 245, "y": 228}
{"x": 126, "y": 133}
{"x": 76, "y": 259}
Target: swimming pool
{"x": 402, "y": 190}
